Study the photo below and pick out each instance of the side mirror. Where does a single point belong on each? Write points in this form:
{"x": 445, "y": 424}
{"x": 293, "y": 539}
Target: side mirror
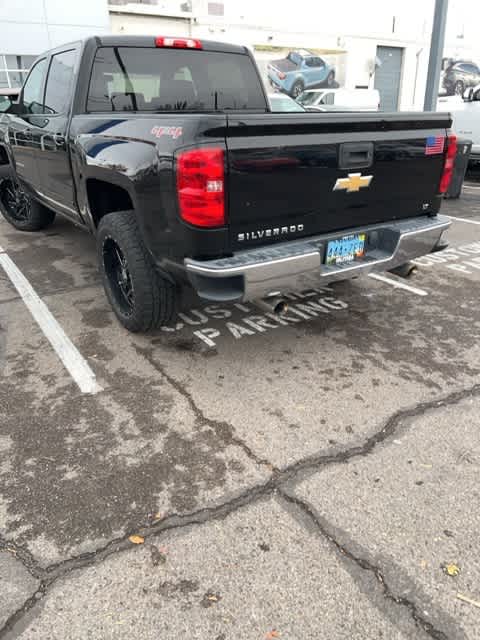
{"x": 16, "y": 108}
{"x": 468, "y": 95}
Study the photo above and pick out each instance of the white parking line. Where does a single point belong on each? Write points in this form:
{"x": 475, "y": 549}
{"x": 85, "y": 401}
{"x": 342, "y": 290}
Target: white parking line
{"x": 464, "y": 220}
{"x": 396, "y": 284}
{"x": 72, "y": 359}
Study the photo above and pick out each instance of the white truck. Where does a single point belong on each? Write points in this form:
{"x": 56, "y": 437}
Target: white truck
{"x": 466, "y": 118}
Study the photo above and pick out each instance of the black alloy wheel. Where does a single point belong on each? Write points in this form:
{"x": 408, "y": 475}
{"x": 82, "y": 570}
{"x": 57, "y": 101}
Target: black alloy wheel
{"x": 15, "y": 200}
{"x": 21, "y": 210}
{"x": 118, "y": 274}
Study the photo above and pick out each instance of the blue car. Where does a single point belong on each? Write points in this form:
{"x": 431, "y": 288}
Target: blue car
{"x": 298, "y": 71}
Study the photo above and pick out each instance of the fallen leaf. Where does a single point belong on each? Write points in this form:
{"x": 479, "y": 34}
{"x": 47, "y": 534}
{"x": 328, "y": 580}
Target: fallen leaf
{"x": 158, "y": 515}
{"x": 209, "y": 598}
{"x": 136, "y": 539}
{"x": 451, "y": 570}
{"x": 475, "y": 603}
{"x": 272, "y": 634}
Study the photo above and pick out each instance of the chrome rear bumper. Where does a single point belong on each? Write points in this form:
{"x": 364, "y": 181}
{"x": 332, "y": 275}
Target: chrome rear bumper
{"x": 299, "y": 264}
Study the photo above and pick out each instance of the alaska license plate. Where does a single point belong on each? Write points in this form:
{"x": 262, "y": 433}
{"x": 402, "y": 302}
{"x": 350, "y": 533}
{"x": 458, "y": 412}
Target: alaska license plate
{"x": 346, "y": 249}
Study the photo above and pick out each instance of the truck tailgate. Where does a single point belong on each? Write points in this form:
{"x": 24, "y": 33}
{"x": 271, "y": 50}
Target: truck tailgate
{"x": 295, "y": 175}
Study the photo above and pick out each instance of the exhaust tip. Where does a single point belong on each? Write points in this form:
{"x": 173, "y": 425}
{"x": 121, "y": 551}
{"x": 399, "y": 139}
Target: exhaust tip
{"x": 280, "y": 308}
{"x": 405, "y": 270}
{"x": 273, "y": 304}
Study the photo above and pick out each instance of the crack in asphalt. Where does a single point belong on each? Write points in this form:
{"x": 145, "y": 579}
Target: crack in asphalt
{"x": 365, "y": 565}
{"x": 20, "y": 553}
{"x": 290, "y": 474}
{"x": 223, "y": 429}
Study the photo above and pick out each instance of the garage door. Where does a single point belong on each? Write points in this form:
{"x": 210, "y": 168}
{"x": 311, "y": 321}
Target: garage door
{"x": 388, "y": 75}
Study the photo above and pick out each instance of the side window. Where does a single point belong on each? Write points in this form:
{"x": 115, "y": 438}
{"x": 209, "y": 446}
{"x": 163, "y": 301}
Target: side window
{"x": 58, "y": 93}
{"x": 32, "y": 96}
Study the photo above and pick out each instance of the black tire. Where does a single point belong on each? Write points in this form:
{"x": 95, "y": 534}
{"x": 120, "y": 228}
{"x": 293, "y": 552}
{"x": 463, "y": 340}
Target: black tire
{"x": 459, "y": 88}
{"x": 140, "y": 296}
{"x": 297, "y": 88}
{"x": 331, "y": 79}
{"x": 20, "y": 210}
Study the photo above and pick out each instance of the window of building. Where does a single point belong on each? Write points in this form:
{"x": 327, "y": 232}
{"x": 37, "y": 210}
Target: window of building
{"x": 14, "y": 70}
{"x": 216, "y": 9}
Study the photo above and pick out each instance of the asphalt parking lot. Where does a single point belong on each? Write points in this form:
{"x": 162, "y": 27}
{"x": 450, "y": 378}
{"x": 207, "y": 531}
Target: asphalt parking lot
{"x": 313, "y": 476}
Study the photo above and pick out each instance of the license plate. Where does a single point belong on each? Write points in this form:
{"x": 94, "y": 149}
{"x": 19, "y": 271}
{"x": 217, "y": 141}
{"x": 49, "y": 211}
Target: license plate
{"x": 346, "y": 249}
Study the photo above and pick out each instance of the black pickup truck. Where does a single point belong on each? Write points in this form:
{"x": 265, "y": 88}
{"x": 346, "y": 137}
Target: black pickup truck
{"x": 167, "y": 151}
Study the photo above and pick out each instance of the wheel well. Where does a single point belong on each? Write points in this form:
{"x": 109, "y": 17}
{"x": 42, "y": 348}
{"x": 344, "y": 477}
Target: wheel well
{"x": 104, "y": 197}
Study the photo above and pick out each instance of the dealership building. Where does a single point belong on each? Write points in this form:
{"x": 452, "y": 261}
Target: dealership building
{"x": 29, "y": 27}
{"x": 386, "y": 49}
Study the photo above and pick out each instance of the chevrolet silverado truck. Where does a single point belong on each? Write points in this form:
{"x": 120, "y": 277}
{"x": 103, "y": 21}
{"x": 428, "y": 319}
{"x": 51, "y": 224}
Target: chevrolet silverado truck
{"x": 166, "y": 150}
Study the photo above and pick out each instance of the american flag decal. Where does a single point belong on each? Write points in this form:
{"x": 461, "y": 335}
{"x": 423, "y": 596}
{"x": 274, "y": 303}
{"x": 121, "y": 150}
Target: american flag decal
{"x": 435, "y": 145}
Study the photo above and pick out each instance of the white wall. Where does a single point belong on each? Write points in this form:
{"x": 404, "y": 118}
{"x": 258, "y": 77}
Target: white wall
{"x": 133, "y": 24}
{"x": 360, "y": 58}
{"x": 29, "y": 27}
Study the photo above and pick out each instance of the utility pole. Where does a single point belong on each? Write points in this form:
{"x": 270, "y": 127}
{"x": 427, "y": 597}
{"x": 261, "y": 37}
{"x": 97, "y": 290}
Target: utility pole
{"x": 436, "y": 53}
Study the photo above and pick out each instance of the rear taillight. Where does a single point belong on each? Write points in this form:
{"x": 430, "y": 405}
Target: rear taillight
{"x": 201, "y": 186}
{"x": 449, "y": 164}
{"x": 178, "y": 43}
{"x": 281, "y": 75}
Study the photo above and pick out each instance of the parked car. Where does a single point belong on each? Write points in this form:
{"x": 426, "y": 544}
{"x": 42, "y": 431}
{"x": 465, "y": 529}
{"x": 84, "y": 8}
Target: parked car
{"x": 166, "y": 150}
{"x": 466, "y": 119}
{"x": 299, "y": 71}
{"x": 459, "y": 75}
{"x": 340, "y": 99}
{"x": 281, "y": 102}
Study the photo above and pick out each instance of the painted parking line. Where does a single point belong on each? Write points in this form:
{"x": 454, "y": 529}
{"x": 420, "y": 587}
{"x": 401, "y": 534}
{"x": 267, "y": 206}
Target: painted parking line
{"x": 396, "y": 284}
{"x": 71, "y": 358}
{"x": 464, "y": 220}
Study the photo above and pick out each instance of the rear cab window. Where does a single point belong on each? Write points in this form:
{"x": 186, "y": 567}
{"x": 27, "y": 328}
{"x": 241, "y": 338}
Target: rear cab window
{"x": 144, "y": 79}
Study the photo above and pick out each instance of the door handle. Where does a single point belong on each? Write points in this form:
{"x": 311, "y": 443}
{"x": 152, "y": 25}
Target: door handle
{"x": 59, "y": 139}
{"x": 356, "y": 155}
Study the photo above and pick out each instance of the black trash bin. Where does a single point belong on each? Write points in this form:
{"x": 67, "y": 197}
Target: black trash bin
{"x": 460, "y": 169}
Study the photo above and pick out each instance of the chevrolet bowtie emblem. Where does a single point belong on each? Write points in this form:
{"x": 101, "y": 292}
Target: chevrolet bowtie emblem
{"x": 354, "y": 182}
